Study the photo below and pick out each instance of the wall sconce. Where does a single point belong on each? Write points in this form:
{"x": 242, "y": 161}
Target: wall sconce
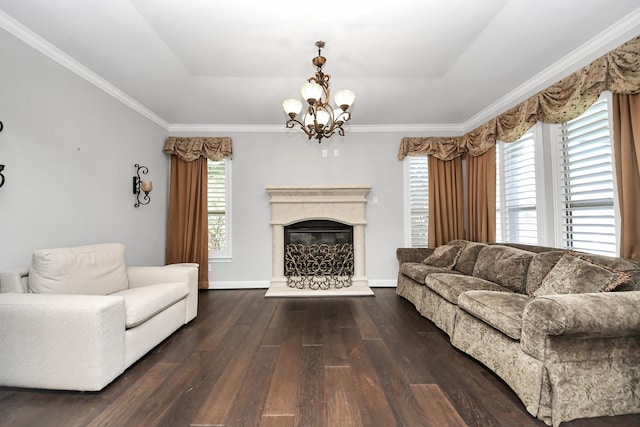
{"x": 140, "y": 185}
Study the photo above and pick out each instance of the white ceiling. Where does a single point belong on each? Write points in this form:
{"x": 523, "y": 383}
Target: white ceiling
{"x": 414, "y": 64}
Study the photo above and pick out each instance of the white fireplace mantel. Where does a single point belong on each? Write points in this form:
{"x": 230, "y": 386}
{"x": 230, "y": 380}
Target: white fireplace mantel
{"x": 341, "y": 203}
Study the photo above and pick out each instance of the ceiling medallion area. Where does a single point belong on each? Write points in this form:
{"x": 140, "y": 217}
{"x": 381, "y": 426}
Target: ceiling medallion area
{"x": 319, "y": 120}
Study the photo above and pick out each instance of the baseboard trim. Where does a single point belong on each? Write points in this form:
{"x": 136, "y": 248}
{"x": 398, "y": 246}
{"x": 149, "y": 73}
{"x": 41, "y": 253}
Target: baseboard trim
{"x": 264, "y": 284}
{"x": 250, "y": 284}
{"x": 383, "y": 283}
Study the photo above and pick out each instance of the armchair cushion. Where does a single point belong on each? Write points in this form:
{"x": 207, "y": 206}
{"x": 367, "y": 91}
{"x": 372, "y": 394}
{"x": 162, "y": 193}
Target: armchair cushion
{"x": 87, "y": 270}
{"x": 141, "y": 304}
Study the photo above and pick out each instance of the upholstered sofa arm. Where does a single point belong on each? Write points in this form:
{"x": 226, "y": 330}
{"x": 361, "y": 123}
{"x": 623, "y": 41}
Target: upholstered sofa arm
{"x": 592, "y": 316}
{"x": 52, "y": 341}
{"x": 186, "y": 272}
{"x": 412, "y": 254}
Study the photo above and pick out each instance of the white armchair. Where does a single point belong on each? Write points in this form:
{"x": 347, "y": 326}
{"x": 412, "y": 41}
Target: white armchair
{"x": 71, "y": 337}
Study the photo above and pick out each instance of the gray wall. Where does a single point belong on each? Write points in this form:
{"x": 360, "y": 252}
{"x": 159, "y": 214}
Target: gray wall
{"x": 262, "y": 159}
{"x": 69, "y": 150}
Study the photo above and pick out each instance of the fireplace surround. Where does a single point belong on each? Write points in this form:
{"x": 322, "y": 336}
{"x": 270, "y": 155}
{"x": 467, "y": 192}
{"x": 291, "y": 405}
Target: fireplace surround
{"x": 344, "y": 204}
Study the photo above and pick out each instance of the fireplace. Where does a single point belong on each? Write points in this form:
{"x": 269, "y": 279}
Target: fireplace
{"x": 319, "y": 215}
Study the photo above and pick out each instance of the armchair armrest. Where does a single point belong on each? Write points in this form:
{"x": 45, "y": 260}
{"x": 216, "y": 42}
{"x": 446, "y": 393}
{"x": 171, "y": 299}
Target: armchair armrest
{"x": 412, "y": 254}
{"x": 14, "y": 280}
{"x": 67, "y": 342}
{"x": 585, "y": 316}
{"x": 186, "y": 272}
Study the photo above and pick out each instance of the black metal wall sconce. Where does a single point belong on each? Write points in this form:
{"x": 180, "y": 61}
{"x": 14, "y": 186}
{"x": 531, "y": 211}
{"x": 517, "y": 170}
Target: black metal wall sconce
{"x": 141, "y": 186}
{"x": 1, "y": 166}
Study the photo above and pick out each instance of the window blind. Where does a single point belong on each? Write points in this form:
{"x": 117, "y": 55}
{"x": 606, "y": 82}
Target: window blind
{"x": 419, "y": 201}
{"x": 587, "y": 189}
{"x": 217, "y": 204}
{"x": 516, "y": 191}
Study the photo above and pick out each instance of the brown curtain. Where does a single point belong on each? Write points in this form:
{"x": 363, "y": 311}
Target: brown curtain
{"x": 446, "y": 216}
{"x": 187, "y": 225}
{"x": 481, "y": 197}
{"x": 187, "y": 229}
{"x": 626, "y": 149}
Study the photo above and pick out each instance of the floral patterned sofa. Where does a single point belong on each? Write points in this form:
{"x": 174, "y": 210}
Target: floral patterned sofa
{"x": 561, "y": 328}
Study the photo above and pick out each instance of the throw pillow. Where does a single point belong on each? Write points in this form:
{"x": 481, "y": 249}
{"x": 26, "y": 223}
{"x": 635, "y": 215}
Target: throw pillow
{"x": 575, "y": 275}
{"x": 444, "y": 256}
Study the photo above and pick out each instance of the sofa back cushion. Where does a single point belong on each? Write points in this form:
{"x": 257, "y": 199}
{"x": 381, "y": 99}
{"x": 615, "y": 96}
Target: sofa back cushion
{"x": 541, "y": 264}
{"x": 468, "y": 257}
{"x": 503, "y": 265}
{"x": 87, "y": 270}
{"x": 573, "y": 274}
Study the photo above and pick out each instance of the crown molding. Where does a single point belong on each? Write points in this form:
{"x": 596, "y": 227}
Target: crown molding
{"x": 223, "y": 128}
{"x": 617, "y": 34}
{"x": 35, "y": 41}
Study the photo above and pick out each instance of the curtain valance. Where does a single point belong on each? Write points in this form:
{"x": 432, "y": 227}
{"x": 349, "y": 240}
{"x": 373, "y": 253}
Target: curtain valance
{"x": 189, "y": 149}
{"x": 617, "y": 71}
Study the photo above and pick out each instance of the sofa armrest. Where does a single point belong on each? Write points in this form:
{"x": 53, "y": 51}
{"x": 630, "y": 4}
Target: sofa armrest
{"x": 412, "y": 254}
{"x": 186, "y": 272}
{"x": 600, "y": 315}
{"x": 66, "y": 342}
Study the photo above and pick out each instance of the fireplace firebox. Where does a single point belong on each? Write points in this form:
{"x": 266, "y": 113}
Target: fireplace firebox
{"x": 318, "y": 232}
{"x": 318, "y": 254}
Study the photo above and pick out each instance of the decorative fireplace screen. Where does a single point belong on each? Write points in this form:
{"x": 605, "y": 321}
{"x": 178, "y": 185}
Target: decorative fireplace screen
{"x": 318, "y": 255}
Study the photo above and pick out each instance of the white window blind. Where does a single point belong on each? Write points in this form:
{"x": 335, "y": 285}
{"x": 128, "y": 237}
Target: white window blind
{"x": 516, "y": 218}
{"x": 418, "y": 201}
{"x": 217, "y": 198}
{"x": 587, "y": 182}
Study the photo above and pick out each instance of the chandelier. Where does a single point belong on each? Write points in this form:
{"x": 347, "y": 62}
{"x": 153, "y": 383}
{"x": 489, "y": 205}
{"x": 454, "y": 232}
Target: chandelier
{"x": 320, "y": 120}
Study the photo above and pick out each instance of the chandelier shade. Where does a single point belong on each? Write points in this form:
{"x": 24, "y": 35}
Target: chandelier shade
{"x": 292, "y": 106}
{"x": 319, "y": 119}
{"x": 345, "y": 97}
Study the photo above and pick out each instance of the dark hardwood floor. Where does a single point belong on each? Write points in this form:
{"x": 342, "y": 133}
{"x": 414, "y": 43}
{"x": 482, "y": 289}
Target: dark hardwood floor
{"x": 251, "y": 361}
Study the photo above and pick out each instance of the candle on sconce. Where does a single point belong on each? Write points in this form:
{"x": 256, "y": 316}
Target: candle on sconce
{"x": 146, "y": 186}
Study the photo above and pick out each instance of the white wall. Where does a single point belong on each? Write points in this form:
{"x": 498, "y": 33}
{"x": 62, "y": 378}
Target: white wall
{"x": 69, "y": 151}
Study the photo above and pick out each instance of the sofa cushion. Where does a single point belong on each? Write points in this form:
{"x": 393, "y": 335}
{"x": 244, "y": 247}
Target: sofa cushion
{"x": 449, "y": 286}
{"x": 574, "y": 275}
{"x": 502, "y": 310}
{"x": 468, "y": 257}
{"x": 145, "y": 302}
{"x": 541, "y": 264}
{"x": 88, "y": 270}
{"x": 444, "y": 256}
{"x": 419, "y": 271}
{"x": 503, "y": 265}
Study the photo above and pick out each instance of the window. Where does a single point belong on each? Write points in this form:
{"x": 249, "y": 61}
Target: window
{"x": 556, "y": 185}
{"x": 218, "y": 198}
{"x": 516, "y": 195}
{"x": 587, "y": 214}
{"x": 417, "y": 190}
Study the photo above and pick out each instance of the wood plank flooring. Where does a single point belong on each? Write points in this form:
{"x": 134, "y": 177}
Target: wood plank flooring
{"x": 314, "y": 362}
